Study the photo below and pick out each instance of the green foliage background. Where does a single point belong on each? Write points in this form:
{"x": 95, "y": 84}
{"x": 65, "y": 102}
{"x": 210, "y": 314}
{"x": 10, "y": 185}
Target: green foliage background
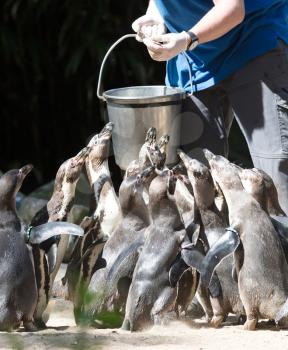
{"x": 50, "y": 55}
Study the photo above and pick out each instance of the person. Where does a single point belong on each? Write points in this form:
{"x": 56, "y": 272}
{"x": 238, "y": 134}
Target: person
{"x": 236, "y": 53}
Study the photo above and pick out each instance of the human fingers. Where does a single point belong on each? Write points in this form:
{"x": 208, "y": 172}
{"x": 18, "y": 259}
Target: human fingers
{"x": 143, "y": 21}
{"x": 139, "y": 37}
{"x": 152, "y": 45}
{"x": 158, "y": 29}
{"x": 161, "y": 38}
{"x": 156, "y": 56}
{"x": 147, "y": 30}
{"x": 156, "y": 51}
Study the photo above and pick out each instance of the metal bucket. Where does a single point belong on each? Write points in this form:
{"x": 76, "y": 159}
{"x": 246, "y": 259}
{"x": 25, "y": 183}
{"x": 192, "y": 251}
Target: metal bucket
{"x": 133, "y": 110}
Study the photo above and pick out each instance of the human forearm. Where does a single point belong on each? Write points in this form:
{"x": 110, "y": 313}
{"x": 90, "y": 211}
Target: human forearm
{"x": 225, "y": 15}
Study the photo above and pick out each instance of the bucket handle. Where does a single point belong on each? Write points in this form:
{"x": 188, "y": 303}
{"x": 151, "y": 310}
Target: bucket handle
{"x": 101, "y": 97}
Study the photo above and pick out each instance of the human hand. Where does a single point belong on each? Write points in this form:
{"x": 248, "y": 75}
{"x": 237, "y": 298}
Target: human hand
{"x": 147, "y": 26}
{"x": 166, "y": 46}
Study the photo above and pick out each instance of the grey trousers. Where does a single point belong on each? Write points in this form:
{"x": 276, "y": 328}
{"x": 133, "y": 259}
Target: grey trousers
{"x": 257, "y": 96}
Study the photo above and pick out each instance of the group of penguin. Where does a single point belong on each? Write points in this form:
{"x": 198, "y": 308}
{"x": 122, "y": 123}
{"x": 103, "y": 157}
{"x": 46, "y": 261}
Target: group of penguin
{"x": 216, "y": 231}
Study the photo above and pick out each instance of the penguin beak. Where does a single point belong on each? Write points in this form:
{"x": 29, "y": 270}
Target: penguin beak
{"x": 107, "y": 130}
{"x": 25, "y": 170}
{"x": 208, "y": 155}
{"x": 151, "y": 136}
{"x": 185, "y": 159}
{"x": 237, "y": 167}
{"x": 81, "y": 155}
{"x": 163, "y": 140}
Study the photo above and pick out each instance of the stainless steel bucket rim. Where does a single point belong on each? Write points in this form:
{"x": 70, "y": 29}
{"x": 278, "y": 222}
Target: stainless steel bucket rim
{"x": 174, "y": 94}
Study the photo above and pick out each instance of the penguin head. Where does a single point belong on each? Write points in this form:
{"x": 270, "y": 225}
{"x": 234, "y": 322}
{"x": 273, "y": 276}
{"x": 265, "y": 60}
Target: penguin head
{"x": 74, "y": 165}
{"x": 130, "y": 192}
{"x": 151, "y": 137}
{"x": 225, "y": 174}
{"x": 254, "y": 184}
{"x": 160, "y": 189}
{"x": 10, "y": 184}
{"x": 132, "y": 169}
{"x": 201, "y": 180}
{"x": 163, "y": 142}
{"x": 100, "y": 147}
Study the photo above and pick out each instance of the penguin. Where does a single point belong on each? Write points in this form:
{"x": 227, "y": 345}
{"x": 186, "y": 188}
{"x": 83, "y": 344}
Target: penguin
{"x": 261, "y": 186}
{"x": 130, "y": 231}
{"x": 262, "y": 276}
{"x": 49, "y": 255}
{"x": 153, "y": 153}
{"x": 145, "y": 151}
{"x": 18, "y": 292}
{"x": 215, "y": 225}
{"x": 150, "y": 294}
{"x": 257, "y": 183}
{"x": 97, "y": 169}
{"x": 18, "y": 289}
{"x": 181, "y": 275}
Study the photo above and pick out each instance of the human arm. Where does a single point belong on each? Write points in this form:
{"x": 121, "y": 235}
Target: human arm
{"x": 223, "y": 16}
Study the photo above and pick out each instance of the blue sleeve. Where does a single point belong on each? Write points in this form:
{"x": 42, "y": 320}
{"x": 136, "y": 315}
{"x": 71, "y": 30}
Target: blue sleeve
{"x": 255, "y": 5}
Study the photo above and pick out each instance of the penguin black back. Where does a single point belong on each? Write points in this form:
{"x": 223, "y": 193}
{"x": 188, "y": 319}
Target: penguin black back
{"x": 18, "y": 294}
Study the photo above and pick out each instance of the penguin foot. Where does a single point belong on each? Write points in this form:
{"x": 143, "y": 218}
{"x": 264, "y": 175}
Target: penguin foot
{"x": 271, "y": 323}
{"x": 250, "y": 324}
{"x": 126, "y": 325}
{"x": 207, "y": 318}
{"x": 217, "y": 320}
{"x": 30, "y": 326}
{"x": 40, "y": 324}
{"x": 157, "y": 320}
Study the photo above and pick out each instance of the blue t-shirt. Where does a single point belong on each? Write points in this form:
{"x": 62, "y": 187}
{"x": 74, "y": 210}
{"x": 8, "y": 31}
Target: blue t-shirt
{"x": 266, "y": 21}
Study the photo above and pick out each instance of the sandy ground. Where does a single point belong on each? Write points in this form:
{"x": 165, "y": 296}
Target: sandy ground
{"x": 187, "y": 334}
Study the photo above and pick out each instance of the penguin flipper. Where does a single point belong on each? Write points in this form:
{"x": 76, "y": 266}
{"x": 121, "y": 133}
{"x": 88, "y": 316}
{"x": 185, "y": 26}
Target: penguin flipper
{"x": 177, "y": 269}
{"x": 215, "y": 288}
{"x": 280, "y": 224}
{"x": 192, "y": 256}
{"x": 193, "y": 231}
{"x": 225, "y": 245}
{"x": 95, "y": 247}
{"x": 125, "y": 262}
{"x": 51, "y": 256}
{"x": 43, "y": 232}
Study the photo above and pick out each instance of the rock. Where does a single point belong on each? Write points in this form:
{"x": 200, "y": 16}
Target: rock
{"x": 19, "y": 198}
{"x": 29, "y": 207}
{"x": 83, "y": 192}
{"x": 77, "y": 213}
{"x": 43, "y": 192}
